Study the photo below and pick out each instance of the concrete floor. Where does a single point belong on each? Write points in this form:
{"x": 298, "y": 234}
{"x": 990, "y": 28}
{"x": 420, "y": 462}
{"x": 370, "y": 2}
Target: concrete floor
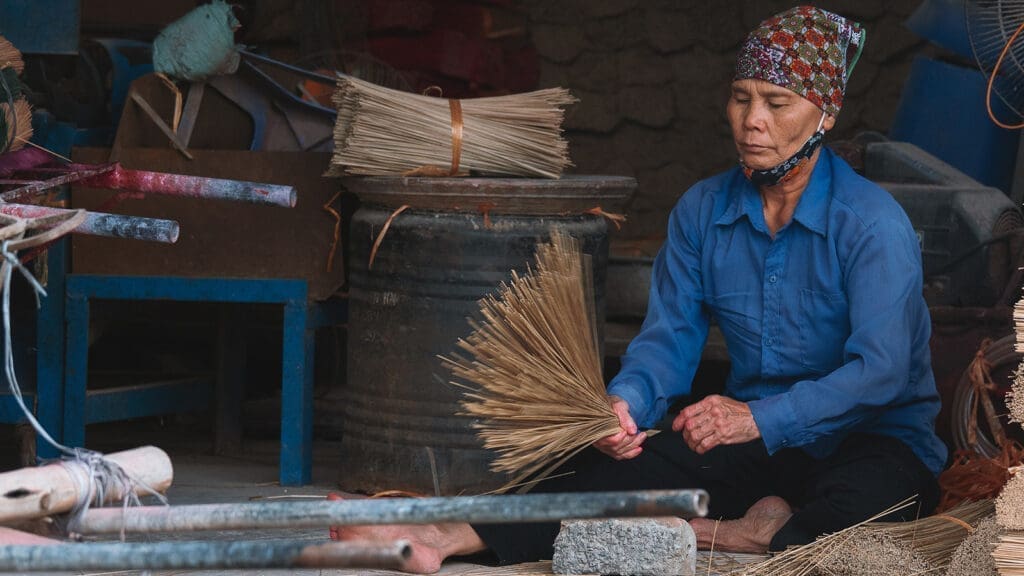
{"x": 251, "y": 474}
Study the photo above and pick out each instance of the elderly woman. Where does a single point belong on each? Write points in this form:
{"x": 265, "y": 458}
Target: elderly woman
{"x": 814, "y": 276}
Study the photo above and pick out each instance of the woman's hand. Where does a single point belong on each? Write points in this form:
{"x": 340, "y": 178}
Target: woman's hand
{"x": 714, "y": 421}
{"x": 624, "y": 444}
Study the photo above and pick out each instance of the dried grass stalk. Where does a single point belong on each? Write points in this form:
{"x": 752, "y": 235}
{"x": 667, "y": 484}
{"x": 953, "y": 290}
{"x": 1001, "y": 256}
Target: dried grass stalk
{"x": 535, "y": 378}
{"x": 381, "y": 132}
{"x": 930, "y": 541}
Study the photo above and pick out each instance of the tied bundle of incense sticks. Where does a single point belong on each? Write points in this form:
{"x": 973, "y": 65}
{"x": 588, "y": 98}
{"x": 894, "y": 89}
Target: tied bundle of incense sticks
{"x": 16, "y": 120}
{"x": 382, "y": 132}
{"x": 535, "y": 378}
{"x": 1015, "y": 398}
{"x": 1008, "y": 554}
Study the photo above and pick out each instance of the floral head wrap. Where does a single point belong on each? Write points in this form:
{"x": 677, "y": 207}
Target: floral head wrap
{"x": 804, "y": 49}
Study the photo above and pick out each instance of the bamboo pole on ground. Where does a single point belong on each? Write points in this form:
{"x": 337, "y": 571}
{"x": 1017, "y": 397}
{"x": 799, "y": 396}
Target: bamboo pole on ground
{"x": 203, "y": 555}
{"x": 47, "y": 490}
{"x": 324, "y": 513}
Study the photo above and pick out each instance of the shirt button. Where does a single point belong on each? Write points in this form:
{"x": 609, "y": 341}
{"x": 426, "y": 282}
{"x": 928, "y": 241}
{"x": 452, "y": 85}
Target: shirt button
{"x": 769, "y": 342}
{"x": 773, "y": 278}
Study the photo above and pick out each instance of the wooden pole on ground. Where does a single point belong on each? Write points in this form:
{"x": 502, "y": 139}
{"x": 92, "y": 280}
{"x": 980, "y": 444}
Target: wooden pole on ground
{"x": 52, "y": 489}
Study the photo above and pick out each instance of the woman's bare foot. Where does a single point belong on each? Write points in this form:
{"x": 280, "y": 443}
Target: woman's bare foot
{"x": 751, "y": 534}
{"x": 431, "y": 543}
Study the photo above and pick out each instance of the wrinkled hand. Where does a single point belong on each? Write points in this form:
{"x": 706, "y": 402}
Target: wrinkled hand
{"x": 716, "y": 421}
{"x": 624, "y": 444}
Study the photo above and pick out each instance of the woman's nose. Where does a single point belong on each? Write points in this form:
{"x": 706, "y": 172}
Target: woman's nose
{"x": 754, "y": 117}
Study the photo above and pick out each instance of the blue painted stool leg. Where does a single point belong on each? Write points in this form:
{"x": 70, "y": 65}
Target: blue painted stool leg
{"x": 75, "y": 368}
{"x": 50, "y": 352}
{"x": 296, "y": 467}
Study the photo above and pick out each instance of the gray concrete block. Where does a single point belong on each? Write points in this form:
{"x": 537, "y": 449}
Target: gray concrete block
{"x": 627, "y": 547}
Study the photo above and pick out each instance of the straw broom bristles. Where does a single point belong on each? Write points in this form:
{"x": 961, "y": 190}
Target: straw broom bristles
{"x": 536, "y": 367}
{"x": 380, "y": 132}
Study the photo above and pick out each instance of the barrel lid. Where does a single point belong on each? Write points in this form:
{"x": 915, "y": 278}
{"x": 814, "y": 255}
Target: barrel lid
{"x": 568, "y": 194}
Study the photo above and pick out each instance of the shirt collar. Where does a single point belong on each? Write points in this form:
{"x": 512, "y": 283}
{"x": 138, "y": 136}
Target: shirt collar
{"x": 811, "y": 211}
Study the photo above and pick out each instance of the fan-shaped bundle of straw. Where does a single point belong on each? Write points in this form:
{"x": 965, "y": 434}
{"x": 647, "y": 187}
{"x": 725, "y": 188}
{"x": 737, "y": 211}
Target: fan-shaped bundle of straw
{"x": 931, "y": 541}
{"x": 536, "y": 368}
{"x": 381, "y": 132}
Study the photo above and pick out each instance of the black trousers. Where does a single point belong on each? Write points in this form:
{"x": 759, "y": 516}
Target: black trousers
{"x": 866, "y": 475}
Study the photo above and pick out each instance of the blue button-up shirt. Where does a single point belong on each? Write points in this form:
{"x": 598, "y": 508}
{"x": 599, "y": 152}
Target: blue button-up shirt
{"x": 825, "y": 323}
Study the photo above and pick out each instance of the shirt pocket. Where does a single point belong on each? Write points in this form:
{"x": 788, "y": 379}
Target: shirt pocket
{"x": 824, "y": 327}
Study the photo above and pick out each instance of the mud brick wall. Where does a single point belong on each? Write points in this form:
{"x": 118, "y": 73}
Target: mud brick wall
{"x": 653, "y": 76}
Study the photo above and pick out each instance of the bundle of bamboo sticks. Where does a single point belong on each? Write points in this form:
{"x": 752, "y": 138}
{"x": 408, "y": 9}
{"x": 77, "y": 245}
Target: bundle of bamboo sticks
{"x": 381, "y": 132}
{"x": 535, "y": 378}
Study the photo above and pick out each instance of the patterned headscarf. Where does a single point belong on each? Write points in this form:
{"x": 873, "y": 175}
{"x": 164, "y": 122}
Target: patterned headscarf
{"x": 807, "y": 50}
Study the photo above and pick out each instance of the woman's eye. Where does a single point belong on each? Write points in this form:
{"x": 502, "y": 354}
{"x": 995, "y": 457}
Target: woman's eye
{"x": 775, "y": 105}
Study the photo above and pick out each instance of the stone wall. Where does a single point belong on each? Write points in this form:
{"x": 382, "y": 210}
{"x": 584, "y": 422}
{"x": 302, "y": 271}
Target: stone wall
{"x": 652, "y": 77}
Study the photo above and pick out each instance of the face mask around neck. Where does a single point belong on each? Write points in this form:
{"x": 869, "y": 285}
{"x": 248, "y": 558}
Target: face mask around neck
{"x": 789, "y": 168}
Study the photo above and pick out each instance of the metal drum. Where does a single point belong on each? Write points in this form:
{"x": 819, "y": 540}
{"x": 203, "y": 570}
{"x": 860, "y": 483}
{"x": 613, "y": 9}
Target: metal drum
{"x": 457, "y": 241}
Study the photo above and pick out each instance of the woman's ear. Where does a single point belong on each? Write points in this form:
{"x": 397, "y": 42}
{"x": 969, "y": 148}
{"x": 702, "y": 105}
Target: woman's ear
{"x": 829, "y": 122}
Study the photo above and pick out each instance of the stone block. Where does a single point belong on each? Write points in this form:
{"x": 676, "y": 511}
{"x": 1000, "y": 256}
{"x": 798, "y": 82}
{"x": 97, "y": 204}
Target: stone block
{"x": 648, "y": 105}
{"x": 594, "y": 71}
{"x": 617, "y": 32}
{"x": 626, "y": 546}
{"x": 595, "y": 112}
{"x": 643, "y": 66}
{"x": 670, "y": 31}
{"x": 559, "y": 43}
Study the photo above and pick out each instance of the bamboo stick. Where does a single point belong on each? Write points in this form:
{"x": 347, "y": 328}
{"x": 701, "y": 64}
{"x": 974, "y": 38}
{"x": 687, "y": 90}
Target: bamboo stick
{"x": 46, "y": 490}
{"x": 202, "y": 555}
{"x": 321, "y": 514}
{"x": 104, "y": 224}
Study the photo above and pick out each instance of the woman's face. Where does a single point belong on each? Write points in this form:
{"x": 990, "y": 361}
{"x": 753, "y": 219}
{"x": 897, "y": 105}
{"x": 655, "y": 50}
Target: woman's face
{"x": 770, "y": 123}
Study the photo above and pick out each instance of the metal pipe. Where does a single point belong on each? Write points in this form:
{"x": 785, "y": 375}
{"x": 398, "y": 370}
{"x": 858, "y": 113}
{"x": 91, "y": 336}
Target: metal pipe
{"x": 321, "y": 514}
{"x": 202, "y": 555}
{"x": 193, "y": 186}
{"x": 103, "y": 224}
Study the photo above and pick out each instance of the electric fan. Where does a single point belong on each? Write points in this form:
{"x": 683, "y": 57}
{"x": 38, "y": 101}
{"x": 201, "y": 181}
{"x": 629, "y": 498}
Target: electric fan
{"x": 994, "y": 28}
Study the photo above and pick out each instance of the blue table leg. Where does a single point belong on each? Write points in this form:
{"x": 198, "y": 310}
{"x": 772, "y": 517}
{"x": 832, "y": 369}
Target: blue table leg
{"x": 76, "y": 368}
{"x": 50, "y": 351}
{"x": 296, "y": 467}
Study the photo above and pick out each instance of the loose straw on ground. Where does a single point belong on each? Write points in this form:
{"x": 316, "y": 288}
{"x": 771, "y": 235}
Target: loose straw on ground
{"x": 535, "y": 378}
{"x": 381, "y": 132}
{"x": 931, "y": 541}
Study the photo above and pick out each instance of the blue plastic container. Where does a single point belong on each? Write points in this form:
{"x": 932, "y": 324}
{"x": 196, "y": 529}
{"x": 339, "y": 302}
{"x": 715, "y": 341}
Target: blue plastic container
{"x": 942, "y": 110}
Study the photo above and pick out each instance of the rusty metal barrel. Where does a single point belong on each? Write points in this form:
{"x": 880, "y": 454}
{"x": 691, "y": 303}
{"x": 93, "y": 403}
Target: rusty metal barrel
{"x": 455, "y": 242}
